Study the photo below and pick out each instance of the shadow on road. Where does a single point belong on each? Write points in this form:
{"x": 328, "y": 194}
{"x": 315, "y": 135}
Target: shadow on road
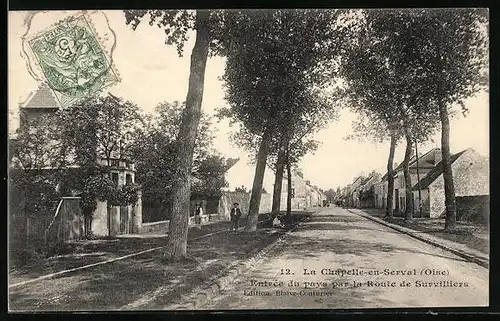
{"x": 335, "y": 218}
{"x": 341, "y": 223}
{"x": 327, "y": 226}
{"x": 313, "y": 239}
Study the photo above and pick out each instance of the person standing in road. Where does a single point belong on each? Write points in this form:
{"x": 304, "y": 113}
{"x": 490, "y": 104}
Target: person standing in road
{"x": 197, "y": 215}
{"x": 235, "y": 216}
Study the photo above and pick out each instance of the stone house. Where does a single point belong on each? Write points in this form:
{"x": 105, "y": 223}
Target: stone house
{"x": 318, "y": 198}
{"x": 117, "y": 220}
{"x": 426, "y": 162}
{"x": 301, "y": 192}
{"x": 367, "y": 195}
{"x": 39, "y": 103}
{"x": 471, "y": 180}
{"x": 240, "y": 179}
{"x": 106, "y": 220}
{"x": 346, "y": 194}
{"x": 314, "y": 197}
{"x": 354, "y": 191}
{"x": 380, "y": 194}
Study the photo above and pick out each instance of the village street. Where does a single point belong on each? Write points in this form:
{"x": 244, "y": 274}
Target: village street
{"x": 241, "y": 159}
{"x": 336, "y": 239}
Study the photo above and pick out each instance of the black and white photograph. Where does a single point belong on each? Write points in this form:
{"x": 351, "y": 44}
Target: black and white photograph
{"x": 248, "y": 159}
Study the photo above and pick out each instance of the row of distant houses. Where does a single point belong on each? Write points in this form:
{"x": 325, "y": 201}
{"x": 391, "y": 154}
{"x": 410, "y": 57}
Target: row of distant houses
{"x": 304, "y": 194}
{"x": 470, "y": 176}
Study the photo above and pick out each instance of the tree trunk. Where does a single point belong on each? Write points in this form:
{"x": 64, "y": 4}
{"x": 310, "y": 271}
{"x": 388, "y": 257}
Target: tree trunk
{"x": 449, "y": 188}
{"x": 278, "y": 181}
{"x": 390, "y": 177}
{"x": 108, "y": 212}
{"x": 87, "y": 218}
{"x": 178, "y": 228}
{"x": 408, "y": 185}
{"x": 260, "y": 168}
{"x": 418, "y": 182}
{"x": 289, "y": 187}
{"x": 25, "y": 217}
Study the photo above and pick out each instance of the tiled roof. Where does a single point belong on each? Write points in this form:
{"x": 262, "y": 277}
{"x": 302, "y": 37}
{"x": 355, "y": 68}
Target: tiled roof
{"x": 357, "y": 182}
{"x": 434, "y": 173}
{"x": 366, "y": 180}
{"x": 230, "y": 162}
{"x": 43, "y": 98}
{"x": 412, "y": 162}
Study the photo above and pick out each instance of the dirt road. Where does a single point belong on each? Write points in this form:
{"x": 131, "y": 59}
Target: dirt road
{"x": 341, "y": 260}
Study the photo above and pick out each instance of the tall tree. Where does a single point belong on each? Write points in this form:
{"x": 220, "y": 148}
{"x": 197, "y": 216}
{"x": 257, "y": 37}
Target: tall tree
{"x": 210, "y": 175}
{"x": 435, "y": 57}
{"x": 450, "y": 59}
{"x": 295, "y": 151}
{"x": 289, "y": 185}
{"x": 338, "y": 193}
{"x": 371, "y": 89}
{"x": 332, "y": 195}
{"x": 379, "y": 127}
{"x": 176, "y": 25}
{"x": 100, "y": 128}
{"x": 37, "y": 145}
{"x": 277, "y": 54}
{"x": 278, "y": 178}
{"x": 438, "y": 59}
{"x": 154, "y": 152}
{"x": 383, "y": 84}
{"x": 419, "y": 124}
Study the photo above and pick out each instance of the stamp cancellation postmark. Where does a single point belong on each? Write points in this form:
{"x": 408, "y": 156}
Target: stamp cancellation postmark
{"x": 73, "y": 62}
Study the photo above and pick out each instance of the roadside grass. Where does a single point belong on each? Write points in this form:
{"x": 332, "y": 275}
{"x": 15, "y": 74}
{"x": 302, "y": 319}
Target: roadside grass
{"x": 142, "y": 282}
{"x": 79, "y": 253}
{"x": 474, "y": 235}
{"x": 84, "y": 252}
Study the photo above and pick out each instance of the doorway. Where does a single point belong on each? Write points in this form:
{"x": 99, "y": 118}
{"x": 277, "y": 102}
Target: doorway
{"x": 396, "y": 199}
{"x": 124, "y": 220}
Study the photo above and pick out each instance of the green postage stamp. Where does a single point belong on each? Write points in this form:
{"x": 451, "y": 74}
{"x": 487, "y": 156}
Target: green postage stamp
{"x": 72, "y": 60}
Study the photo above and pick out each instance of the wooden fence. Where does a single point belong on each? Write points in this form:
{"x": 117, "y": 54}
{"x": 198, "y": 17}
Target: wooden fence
{"x": 67, "y": 223}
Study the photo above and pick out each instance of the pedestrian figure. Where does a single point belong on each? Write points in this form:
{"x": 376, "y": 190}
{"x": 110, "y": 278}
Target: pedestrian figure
{"x": 197, "y": 215}
{"x": 277, "y": 223}
{"x": 235, "y": 216}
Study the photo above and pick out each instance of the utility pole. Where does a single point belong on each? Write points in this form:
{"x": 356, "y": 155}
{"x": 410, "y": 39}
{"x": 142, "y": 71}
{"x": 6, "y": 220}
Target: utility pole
{"x": 418, "y": 181}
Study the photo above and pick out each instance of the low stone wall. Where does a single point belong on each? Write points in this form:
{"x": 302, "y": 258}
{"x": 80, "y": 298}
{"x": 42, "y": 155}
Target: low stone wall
{"x": 162, "y": 226}
{"x": 228, "y": 199}
{"x": 154, "y": 227}
{"x": 265, "y": 203}
{"x": 473, "y": 208}
{"x": 243, "y": 198}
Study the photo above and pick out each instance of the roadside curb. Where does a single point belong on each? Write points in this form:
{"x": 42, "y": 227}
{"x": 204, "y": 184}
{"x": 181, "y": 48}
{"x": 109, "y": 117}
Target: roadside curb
{"x": 482, "y": 261}
{"x": 203, "y": 293}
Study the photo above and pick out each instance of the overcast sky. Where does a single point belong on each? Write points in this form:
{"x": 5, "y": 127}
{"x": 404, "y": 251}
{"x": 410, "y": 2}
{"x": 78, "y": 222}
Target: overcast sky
{"x": 152, "y": 72}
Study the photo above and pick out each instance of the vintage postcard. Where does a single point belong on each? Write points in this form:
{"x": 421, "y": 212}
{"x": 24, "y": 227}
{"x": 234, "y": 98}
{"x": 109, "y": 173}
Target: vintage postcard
{"x": 248, "y": 159}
